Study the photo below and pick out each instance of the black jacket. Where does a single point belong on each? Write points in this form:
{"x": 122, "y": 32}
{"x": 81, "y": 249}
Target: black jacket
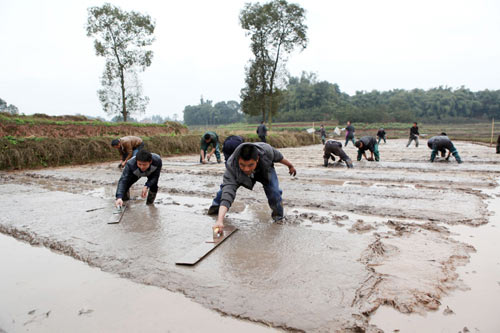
{"x": 131, "y": 173}
{"x": 381, "y": 133}
{"x": 369, "y": 143}
{"x": 414, "y": 131}
{"x": 335, "y": 148}
{"x": 262, "y": 130}
{"x": 439, "y": 142}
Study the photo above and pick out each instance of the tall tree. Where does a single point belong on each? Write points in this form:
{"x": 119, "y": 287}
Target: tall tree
{"x": 122, "y": 38}
{"x": 275, "y": 29}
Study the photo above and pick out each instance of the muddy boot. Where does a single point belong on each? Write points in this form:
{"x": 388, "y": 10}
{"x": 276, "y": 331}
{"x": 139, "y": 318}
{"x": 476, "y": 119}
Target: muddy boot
{"x": 151, "y": 197}
{"x": 126, "y": 196}
{"x": 349, "y": 163}
{"x": 219, "y": 160}
{"x": 213, "y": 210}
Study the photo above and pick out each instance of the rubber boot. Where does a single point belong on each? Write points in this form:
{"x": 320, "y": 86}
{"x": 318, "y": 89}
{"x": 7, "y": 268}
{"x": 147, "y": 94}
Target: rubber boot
{"x": 349, "y": 163}
{"x": 213, "y": 210}
{"x": 151, "y": 197}
{"x": 325, "y": 162}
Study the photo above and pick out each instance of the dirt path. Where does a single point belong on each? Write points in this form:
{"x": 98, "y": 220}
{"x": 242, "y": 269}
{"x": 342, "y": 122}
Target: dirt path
{"x": 353, "y": 239}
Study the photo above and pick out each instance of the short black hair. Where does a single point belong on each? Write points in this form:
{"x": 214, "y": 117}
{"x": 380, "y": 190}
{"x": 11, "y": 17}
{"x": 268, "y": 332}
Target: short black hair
{"x": 206, "y": 136}
{"x": 262, "y": 122}
{"x": 358, "y": 143}
{"x": 144, "y": 156}
{"x": 443, "y": 133}
{"x": 115, "y": 142}
{"x": 249, "y": 152}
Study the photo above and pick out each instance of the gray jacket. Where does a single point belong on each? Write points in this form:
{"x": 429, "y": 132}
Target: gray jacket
{"x": 262, "y": 130}
{"x": 234, "y": 177}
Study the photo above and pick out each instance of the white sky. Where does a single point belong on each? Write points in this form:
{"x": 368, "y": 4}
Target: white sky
{"x": 48, "y": 64}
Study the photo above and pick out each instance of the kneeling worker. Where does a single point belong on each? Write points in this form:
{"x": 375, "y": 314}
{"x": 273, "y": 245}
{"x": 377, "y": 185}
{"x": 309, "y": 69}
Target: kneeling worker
{"x": 441, "y": 143}
{"x": 367, "y": 143}
{"x": 144, "y": 164}
{"x": 128, "y": 146}
{"x": 251, "y": 163}
{"x": 335, "y": 148}
{"x": 209, "y": 139}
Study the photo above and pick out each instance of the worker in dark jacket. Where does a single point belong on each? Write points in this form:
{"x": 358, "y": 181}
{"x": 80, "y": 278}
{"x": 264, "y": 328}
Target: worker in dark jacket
{"x": 251, "y": 163}
{"x": 229, "y": 146}
{"x": 262, "y": 131}
{"x": 367, "y": 143}
{"x": 209, "y": 139}
{"x": 349, "y": 134}
{"x": 381, "y": 135}
{"x": 441, "y": 143}
{"x": 322, "y": 132}
{"x": 413, "y": 135}
{"x": 128, "y": 146}
{"x": 144, "y": 164}
{"x": 335, "y": 148}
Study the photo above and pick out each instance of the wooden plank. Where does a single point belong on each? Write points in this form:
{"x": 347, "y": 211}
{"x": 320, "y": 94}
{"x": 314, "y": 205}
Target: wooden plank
{"x": 202, "y": 250}
{"x": 117, "y": 215}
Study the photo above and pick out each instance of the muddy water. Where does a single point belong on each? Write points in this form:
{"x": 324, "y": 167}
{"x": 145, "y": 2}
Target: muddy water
{"x": 353, "y": 239}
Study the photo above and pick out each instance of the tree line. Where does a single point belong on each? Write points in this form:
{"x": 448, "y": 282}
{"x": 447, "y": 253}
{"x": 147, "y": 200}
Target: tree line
{"x": 207, "y": 114}
{"x": 307, "y": 99}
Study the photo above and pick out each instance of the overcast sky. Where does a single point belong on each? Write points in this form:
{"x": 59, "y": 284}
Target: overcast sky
{"x": 48, "y": 64}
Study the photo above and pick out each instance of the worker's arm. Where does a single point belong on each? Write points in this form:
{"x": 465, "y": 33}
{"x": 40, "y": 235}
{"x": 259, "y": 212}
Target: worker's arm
{"x": 220, "y": 218}
{"x": 291, "y": 169}
{"x": 202, "y": 154}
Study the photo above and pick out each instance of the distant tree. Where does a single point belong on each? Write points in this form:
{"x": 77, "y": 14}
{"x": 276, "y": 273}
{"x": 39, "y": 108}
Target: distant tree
{"x": 207, "y": 114}
{"x": 275, "y": 29}
{"x": 122, "y": 38}
{"x": 4, "y": 107}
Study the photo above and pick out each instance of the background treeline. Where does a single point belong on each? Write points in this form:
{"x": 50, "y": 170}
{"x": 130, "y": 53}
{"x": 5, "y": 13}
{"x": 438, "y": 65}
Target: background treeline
{"x": 207, "y": 114}
{"x": 305, "y": 98}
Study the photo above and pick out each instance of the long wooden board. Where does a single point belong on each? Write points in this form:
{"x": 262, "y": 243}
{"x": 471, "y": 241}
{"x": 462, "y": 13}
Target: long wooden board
{"x": 117, "y": 215}
{"x": 202, "y": 250}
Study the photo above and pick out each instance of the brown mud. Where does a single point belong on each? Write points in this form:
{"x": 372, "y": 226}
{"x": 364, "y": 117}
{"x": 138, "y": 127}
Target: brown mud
{"x": 352, "y": 240}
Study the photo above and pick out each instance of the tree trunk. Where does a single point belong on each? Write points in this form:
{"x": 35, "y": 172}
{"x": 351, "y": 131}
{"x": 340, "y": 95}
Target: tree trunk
{"x": 124, "y": 104}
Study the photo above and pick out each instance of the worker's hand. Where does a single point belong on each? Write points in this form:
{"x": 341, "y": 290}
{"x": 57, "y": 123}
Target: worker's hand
{"x": 204, "y": 161}
{"x": 292, "y": 171}
{"x": 144, "y": 192}
{"x": 370, "y": 159}
{"x": 119, "y": 202}
{"x": 218, "y": 227}
{"x": 123, "y": 164}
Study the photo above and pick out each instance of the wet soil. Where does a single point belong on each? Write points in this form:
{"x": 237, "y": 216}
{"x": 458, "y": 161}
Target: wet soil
{"x": 352, "y": 240}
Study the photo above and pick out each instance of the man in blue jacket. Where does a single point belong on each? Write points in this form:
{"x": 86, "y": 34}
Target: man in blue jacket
{"x": 144, "y": 164}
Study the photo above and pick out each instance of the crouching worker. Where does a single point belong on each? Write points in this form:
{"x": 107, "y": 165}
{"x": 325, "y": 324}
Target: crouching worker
{"x": 144, "y": 164}
{"x": 209, "y": 139}
{"x": 128, "y": 146}
{"x": 228, "y": 148}
{"x": 368, "y": 143}
{"x": 441, "y": 143}
{"x": 335, "y": 148}
{"x": 251, "y": 163}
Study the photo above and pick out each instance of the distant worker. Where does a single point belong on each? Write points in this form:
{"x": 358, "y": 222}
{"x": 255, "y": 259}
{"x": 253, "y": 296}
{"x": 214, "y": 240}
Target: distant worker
{"x": 144, "y": 164}
{"x": 251, "y": 163}
{"x": 413, "y": 135}
{"x": 349, "y": 135}
{"x": 498, "y": 145}
{"x": 262, "y": 131}
{"x": 128, "y": 146}
{"x": 323, "y": 134}
{"x": 230, "y": 144}
{"x": 441, "y": 143}
{"x": 368, "y": 143}
{"x": 381, "y": 135}
{"x": 335, "y": 148}
{"x": 209, "y": 139}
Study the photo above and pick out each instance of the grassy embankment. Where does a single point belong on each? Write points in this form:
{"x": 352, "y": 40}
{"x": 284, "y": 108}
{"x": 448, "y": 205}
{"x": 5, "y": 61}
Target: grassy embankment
{"x": 42, "y": 141}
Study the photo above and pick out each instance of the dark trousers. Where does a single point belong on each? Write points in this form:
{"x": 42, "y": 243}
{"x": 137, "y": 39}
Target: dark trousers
{"x": 262, "y": 138}
{"x": 132, "y": 181}
{"x": 347, "y": 139}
